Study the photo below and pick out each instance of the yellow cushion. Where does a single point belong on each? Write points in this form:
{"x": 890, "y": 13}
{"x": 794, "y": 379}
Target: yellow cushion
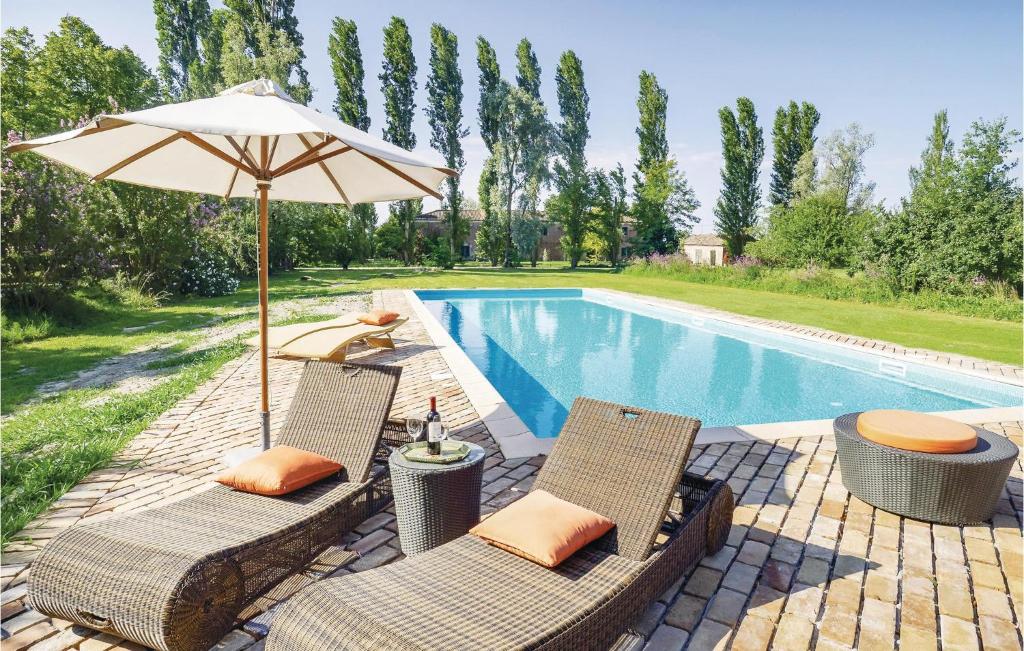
{"x": 278, "y": 471}
{"x": 378, "y": 317}
{"x": 909, "y": 430}
{"x": 543, "y": 528}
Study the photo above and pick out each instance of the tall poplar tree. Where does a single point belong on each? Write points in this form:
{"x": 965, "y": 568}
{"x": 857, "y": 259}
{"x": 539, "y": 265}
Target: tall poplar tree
{"x": 743, "y": 150}
{"x": 492, "y": 92}
{"x": 350, "y": 105}
{"x": 792, "y": 137}
{"x": 180, "y": 27}
{"x": 663, "y": 200}
{"x": 527, "y": 69}
{"x": 398, "y": 84}
{"x": 444, "y": 114}
{"x": 571, "y": 204}
{"x": 278, "y": 15}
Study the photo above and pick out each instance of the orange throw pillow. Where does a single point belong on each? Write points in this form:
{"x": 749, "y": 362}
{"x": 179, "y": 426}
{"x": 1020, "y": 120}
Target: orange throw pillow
{"x": 543, "y": 528}
{"x": 909, "y": 430}
{"x": 278, "y": 471}
{"x": 378, "y": 317}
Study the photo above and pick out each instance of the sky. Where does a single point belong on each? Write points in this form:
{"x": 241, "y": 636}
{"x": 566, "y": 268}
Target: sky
{"x": 887, "y": 65}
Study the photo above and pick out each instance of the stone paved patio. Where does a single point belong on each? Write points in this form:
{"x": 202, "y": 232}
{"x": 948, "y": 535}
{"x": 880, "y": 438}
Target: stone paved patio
{"x": 806, "y": 566}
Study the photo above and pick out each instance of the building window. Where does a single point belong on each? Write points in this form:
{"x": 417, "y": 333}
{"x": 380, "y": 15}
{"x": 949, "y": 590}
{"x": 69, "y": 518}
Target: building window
{"x": 625, "y": 231}
{"x": 544, "y": 232}
{"x": 465, "y": 251}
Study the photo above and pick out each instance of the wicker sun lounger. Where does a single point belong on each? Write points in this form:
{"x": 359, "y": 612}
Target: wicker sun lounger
{"x": 333, "y": 343}
{"x": 175, "y": 577}
{"x": 624, "y": 463}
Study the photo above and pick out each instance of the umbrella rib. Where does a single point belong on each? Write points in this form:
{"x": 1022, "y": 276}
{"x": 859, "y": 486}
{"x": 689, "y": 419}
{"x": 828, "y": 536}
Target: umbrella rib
{"x": 210, "y": 149}
{"x": 327, "y": 172}
{"x": 397, "y": 172}
{"x": 234, "y": 174}
{"x": 313, "y": 161}
{"x": 286, "y": 167}
{"x": 243, "y": 153}
{"x": 273, "y": 148}
{"x": 137, "y": 155}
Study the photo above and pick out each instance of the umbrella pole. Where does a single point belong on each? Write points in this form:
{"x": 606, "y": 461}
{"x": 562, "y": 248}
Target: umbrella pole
{"x": 264, "y": 187}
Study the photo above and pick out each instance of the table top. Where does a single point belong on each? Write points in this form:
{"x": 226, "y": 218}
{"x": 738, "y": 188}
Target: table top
{"x": 476, "y": 455}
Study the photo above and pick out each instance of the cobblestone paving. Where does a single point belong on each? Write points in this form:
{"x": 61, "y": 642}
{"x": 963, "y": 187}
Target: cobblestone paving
{"x": 806, "y": 565}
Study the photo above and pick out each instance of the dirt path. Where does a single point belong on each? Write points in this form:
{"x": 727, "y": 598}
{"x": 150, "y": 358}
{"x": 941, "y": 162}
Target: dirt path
{"x": 131, "y": 372}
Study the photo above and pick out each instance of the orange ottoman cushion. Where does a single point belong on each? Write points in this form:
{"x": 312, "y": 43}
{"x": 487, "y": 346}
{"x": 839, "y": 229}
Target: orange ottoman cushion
{"x": 278, "y": 471}
{"x": 543, "y": 528}
{"x": 909, "y": 430}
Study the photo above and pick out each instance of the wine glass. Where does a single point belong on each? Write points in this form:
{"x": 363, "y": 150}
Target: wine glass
{"x": 414, "y": 426}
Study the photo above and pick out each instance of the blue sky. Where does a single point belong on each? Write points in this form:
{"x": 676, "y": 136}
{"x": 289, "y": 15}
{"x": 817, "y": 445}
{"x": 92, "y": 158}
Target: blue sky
{"x": 888, "y": 66}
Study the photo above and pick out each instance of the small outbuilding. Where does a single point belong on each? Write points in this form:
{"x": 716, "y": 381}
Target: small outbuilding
{"x": 705, "y": 249}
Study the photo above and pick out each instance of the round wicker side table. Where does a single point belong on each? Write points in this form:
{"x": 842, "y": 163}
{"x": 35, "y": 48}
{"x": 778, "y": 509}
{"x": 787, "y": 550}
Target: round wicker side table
{"x": 955, "y": 489}
{"x": 435, "y": 503}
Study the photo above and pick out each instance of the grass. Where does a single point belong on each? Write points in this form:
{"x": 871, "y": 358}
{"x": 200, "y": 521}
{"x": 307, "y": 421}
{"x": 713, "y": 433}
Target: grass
{"x": 49, "y": 448}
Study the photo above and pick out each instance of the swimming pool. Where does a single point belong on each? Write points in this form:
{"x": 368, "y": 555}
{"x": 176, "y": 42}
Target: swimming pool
{"x": 540, "y": 349}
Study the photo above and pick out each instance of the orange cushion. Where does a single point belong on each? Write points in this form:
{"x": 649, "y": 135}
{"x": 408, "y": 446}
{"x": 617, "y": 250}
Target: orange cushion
{"x": 908, "y": 430}
{"x": 378, "y": 317}
{"x": 542, "y": 528}
{"x": 278, "y": 471}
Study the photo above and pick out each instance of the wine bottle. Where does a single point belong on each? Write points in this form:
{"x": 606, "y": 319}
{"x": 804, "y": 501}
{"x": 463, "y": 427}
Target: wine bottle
{"x": 433, "y": 428}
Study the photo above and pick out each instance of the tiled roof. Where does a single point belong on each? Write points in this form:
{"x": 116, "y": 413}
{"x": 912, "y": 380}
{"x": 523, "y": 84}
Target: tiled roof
{"x": 705, "y": 239}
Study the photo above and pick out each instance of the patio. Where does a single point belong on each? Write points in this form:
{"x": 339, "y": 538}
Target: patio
{"x": 806, "y": 566}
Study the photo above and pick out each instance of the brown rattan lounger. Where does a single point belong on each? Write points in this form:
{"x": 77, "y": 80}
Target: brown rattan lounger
{"x": 622, "y": 462}
{"x": 175, "y": 577}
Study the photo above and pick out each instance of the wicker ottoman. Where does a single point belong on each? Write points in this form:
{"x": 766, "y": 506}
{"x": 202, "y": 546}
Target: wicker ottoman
{"x": 435, "y": 503}
{"x": 961, "y": 488}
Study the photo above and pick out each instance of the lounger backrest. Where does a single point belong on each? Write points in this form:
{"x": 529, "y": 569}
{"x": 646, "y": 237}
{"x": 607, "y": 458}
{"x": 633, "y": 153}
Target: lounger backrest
{"x": 622, "y": 462}
{"x": 339, "y": 411}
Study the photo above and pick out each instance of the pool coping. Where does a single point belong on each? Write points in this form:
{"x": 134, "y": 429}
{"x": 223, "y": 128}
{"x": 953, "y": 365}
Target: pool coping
{"x": 517, "y": 440}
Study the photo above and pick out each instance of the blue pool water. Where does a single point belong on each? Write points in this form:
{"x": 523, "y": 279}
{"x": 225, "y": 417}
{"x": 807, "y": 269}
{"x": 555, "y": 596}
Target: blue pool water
{"x": 542, "y": 348}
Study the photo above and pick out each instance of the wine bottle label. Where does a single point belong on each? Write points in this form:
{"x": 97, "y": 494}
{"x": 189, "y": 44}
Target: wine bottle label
{"x": 433, "y": 432}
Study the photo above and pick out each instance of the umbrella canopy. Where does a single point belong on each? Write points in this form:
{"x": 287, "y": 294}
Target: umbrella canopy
{"x": 251, "y": 138}
{"x": 212, "y": 146}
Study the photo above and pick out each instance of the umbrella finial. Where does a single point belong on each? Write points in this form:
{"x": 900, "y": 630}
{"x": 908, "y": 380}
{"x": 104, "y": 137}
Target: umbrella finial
{"x": 259, "y": 88}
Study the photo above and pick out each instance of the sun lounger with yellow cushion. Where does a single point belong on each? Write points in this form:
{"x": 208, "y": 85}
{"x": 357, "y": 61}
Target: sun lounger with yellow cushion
{"x": 333, "y": 343}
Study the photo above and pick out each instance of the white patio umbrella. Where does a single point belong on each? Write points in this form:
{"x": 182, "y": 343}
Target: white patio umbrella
{"x": 252, "y": 138}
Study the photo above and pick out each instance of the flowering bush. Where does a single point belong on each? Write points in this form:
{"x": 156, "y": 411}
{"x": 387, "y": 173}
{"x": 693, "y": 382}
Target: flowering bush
{"x": 666, "y": 262}
{"x": 208, "y": 273}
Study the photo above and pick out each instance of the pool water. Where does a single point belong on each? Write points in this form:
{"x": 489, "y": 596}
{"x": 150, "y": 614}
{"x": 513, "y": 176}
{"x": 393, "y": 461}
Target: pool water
{"x": 543, "y": 348}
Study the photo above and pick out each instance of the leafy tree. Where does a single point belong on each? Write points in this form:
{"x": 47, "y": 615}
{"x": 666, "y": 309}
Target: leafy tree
{"x": 444, "y": 114}
{"x": 527, "y": 69}
{"x": 663, "y": 200}
{"x": 743, "y": 149}
{"x": 489, "y": 242}
{"x": 610, "y": 205}
{"x": 520, "y": 151}
{"x": 492, "y": 89}
{"x": 18, "y": 55}
{"x": 180, "y": 25}
{"x": 274, "y": 58}
{"x": 665, "y": 206}
{"x": 843, "y": 166}
{"x": 398, "y": 85}
{"x": 350, "y": 105}
{"x": 816, "y": 230}
{"x": 792, "y": 137}
{"x": 570, "y": 206}
{"x": 256, "y": 16}
{"x": 961, "y": 223}
{"x": 347, "y": 68}
{"x": 205, "y": 77}
{"x": 653, "y": 105}
{"x": 76, "y": 76}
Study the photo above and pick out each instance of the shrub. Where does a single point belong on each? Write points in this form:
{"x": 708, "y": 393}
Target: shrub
{"x": 133, "y": 291}
{"x": 208, "y": 273}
